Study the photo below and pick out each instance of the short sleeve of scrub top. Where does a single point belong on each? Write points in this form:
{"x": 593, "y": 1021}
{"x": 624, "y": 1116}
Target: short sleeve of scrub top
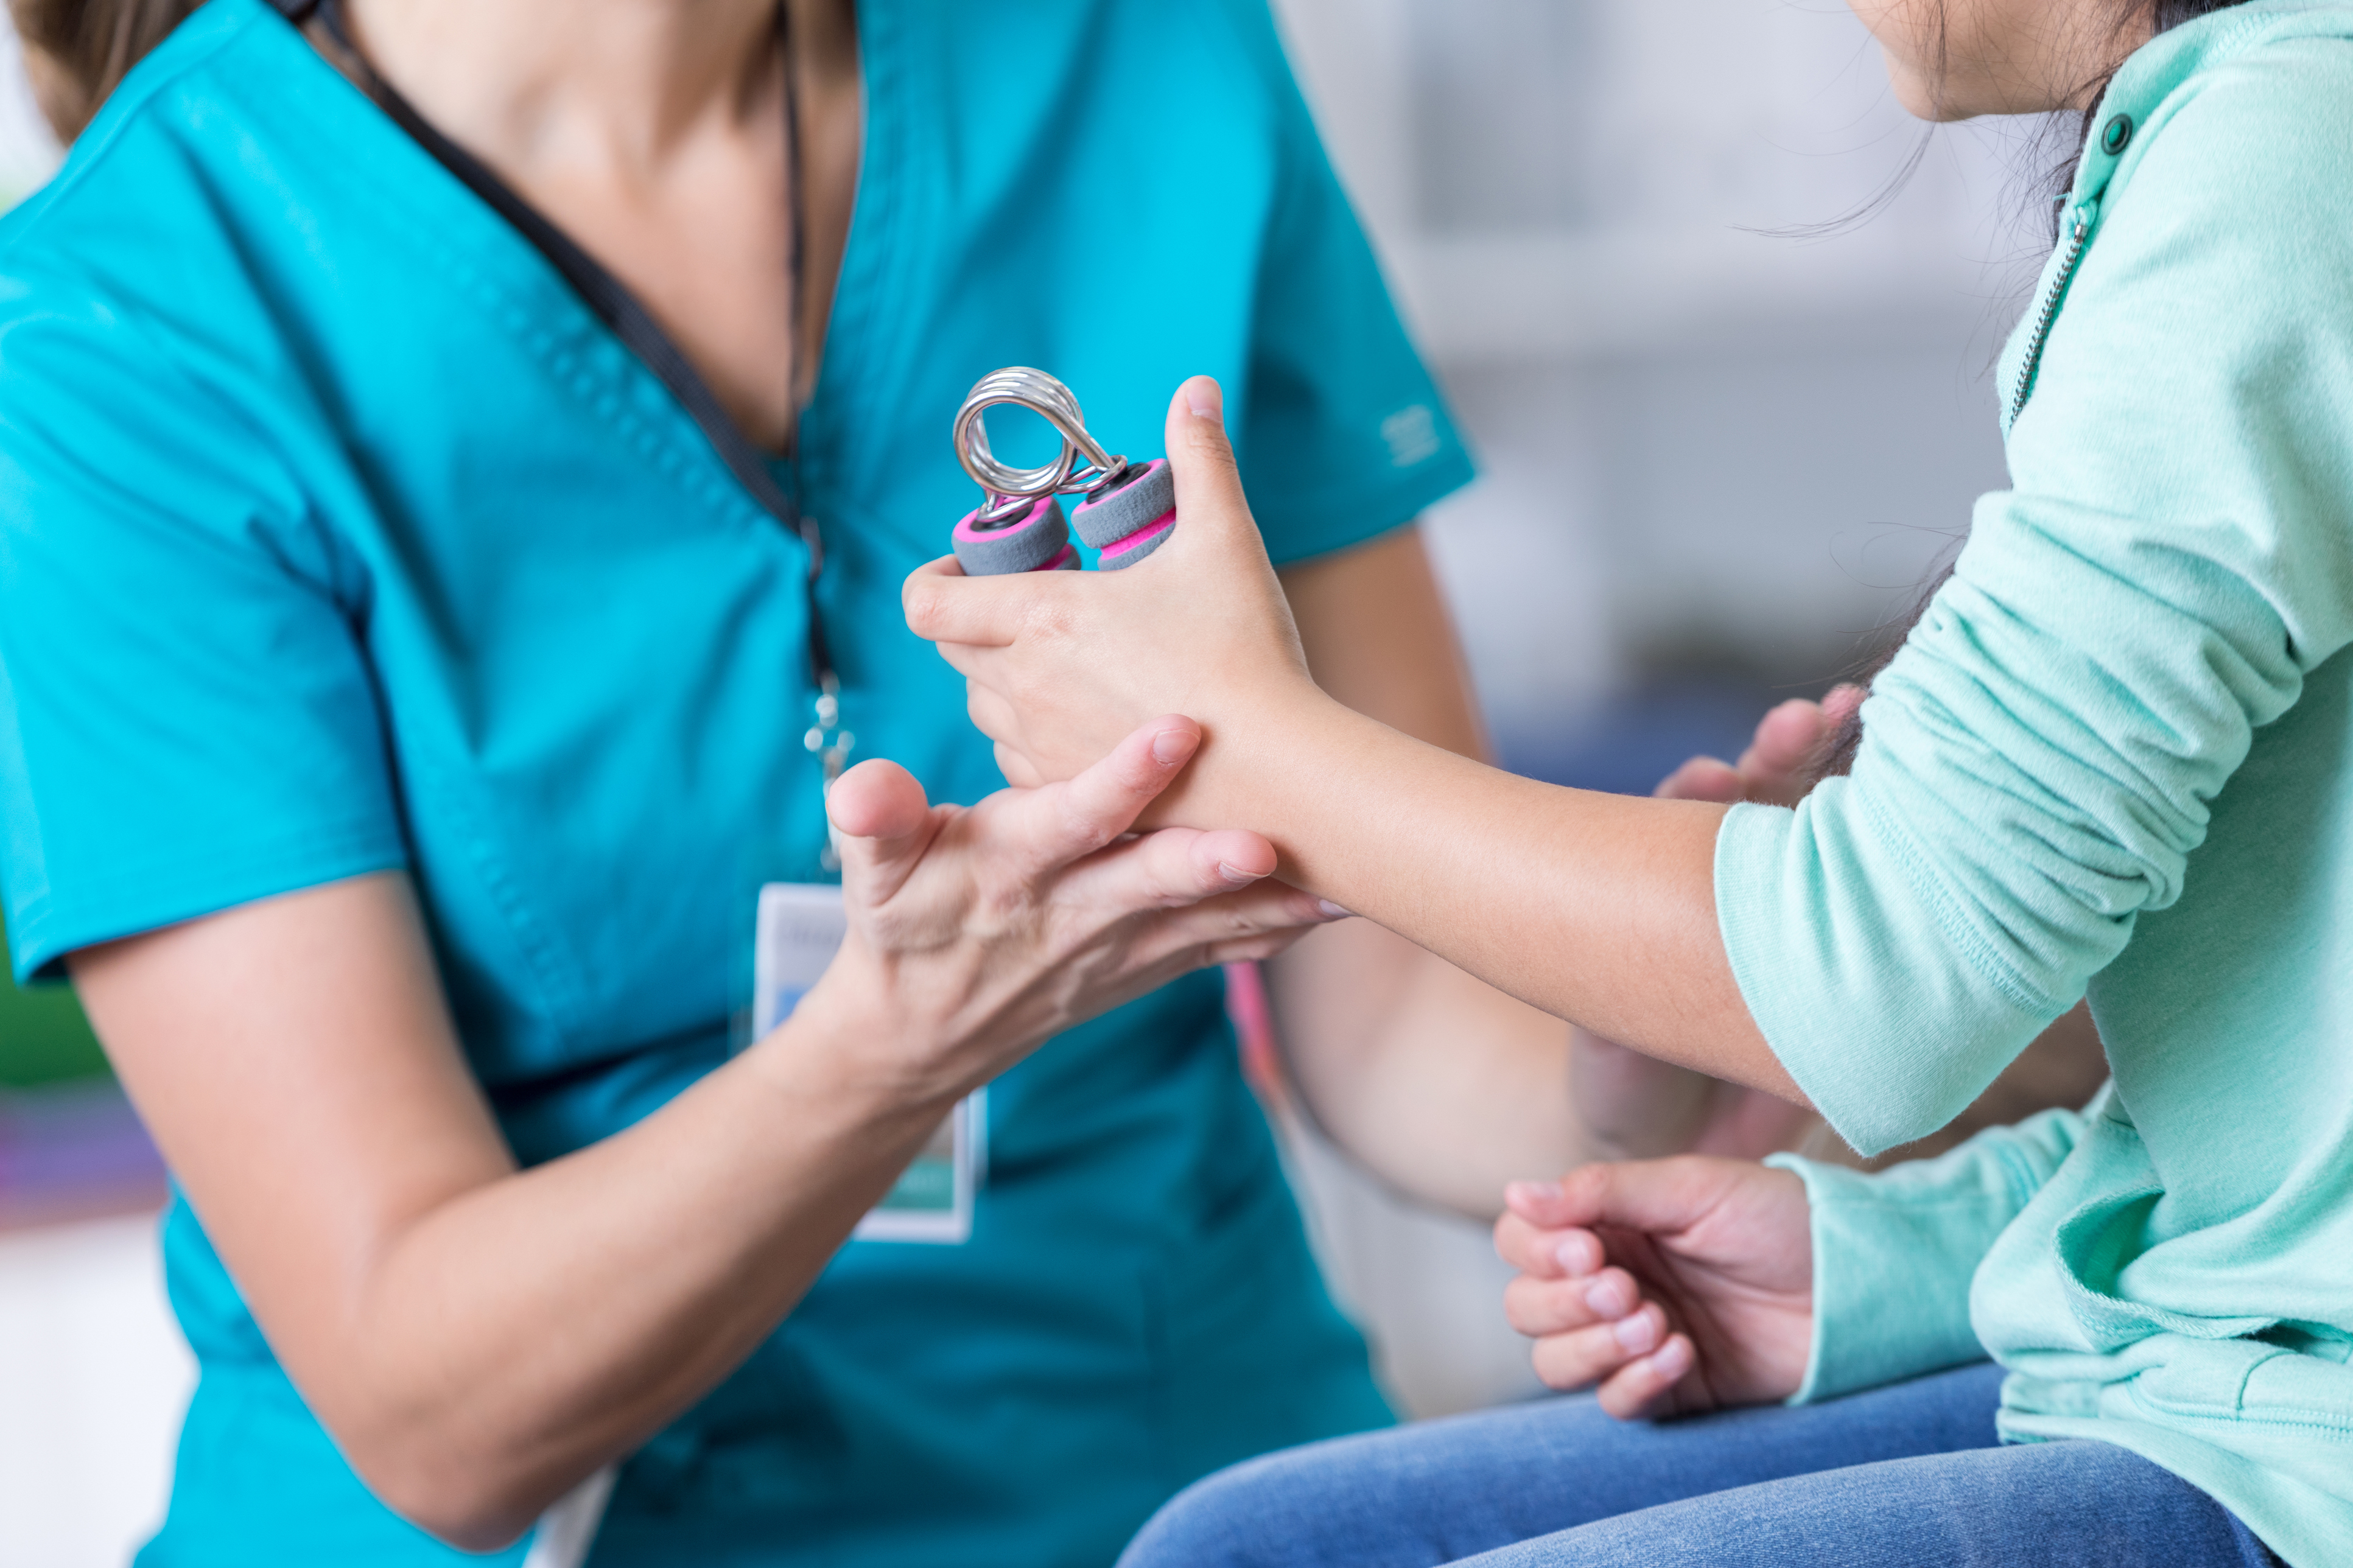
{"x": 337, "y": 534}
{"x": 1342, "y": 424}
{"x": 189, "y": 612}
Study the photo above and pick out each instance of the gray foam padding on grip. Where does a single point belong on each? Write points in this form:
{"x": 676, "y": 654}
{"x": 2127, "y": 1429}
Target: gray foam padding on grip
{"x": 1004, "y": 552}
{"x": 1136, "y": 504}
{"x": 1130, "y": 557}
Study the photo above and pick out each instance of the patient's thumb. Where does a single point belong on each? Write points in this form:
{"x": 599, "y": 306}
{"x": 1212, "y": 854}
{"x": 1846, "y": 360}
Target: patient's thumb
{"x": 1209, "y": 499}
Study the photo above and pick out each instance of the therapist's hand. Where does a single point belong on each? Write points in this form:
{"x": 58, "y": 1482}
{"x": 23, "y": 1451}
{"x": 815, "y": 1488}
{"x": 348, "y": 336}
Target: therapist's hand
{"x": 1059, "y": 665}
{"x": 974, "y": 933}
{"x": 1675, "y": 1285}
{"x": 1783, "y": 758}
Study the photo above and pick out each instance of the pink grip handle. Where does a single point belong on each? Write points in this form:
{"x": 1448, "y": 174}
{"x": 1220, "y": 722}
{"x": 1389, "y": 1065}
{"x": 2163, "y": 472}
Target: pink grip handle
{"x": 1034, "y": 540}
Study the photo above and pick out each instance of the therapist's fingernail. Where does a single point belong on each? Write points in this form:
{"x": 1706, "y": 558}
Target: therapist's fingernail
{"x": 1236, "y": 875}
{"x": 1170, "y": 747}
{"x": 1207, "y": 401}
{"x": 1332, "y": 911}
{"x": 1608, "y": 1299}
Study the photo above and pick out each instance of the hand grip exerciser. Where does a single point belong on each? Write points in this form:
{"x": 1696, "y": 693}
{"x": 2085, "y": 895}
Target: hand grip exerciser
{"x": 1018, "y": 526}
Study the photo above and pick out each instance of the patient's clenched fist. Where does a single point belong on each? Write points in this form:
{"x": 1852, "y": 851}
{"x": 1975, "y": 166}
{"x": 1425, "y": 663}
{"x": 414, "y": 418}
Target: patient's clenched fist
{"x": 1673, "y": 1285}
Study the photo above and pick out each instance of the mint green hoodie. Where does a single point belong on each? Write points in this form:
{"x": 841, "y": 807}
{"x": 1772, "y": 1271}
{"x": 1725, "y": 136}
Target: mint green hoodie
{"x": 2116, "y": 756}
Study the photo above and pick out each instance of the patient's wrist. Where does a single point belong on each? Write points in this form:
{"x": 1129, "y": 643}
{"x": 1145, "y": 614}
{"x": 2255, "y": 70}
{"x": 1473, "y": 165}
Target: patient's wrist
{"x": 1264, "y": 762}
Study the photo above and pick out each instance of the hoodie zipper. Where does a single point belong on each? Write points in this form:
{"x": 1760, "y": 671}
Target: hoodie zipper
{"x": 2076, "y": 239}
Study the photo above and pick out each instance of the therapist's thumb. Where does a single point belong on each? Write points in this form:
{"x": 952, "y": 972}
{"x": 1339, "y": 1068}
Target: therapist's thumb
{"x": 885, "y": 824}
{"x": 1210, "y": 500}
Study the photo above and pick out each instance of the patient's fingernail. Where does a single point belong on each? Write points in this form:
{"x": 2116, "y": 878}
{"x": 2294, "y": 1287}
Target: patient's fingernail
{"x": 1204, "y": 398}
{"x": 1635, "y": 1334}
{"x": 1577, "y": 1255}
{"x": 1332, "y": 911}
{"x": 1608, "y": 1298}
{"x": 1673, "y": 1359}
{"x": 1236, "y": 875}
{"x": 1170, "y": 747}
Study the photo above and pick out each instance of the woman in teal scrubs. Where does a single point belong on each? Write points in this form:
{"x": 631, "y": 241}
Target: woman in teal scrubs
{"x": 441, "y": 554}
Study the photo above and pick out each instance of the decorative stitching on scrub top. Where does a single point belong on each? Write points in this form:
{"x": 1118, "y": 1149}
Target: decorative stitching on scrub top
{"x": 604, "y": 393}
{"x": 563, "y": 990}
{"x": 554, "y": 330}
{"x": 609, "y": 298}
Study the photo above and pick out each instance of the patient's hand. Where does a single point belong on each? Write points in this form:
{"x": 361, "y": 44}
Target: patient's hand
{"x": 1676, "y": 1285}
{"x": 1060, "y": 665}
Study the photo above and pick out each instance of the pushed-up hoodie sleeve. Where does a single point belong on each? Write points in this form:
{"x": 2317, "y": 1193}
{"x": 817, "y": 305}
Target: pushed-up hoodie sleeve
{"x": 1895, "y": 1253}
{"x": 2038, "y": 762}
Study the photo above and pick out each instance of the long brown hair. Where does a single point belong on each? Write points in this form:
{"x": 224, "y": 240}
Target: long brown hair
{"x": 77, "y": 51}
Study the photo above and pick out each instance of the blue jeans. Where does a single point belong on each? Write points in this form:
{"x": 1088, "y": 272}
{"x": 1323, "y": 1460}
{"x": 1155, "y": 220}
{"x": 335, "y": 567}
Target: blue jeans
{"x": 1908, "y": 1477}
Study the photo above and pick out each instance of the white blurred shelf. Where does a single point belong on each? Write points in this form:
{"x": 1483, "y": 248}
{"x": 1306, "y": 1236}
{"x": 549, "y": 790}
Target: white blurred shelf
{"x": 1425, "y": 1286}
{"x": 1569, "y": 297}
{"x": 28, "y": 152}
{"x": 94, "y": 1379}
{"x": 1551, "y": 183}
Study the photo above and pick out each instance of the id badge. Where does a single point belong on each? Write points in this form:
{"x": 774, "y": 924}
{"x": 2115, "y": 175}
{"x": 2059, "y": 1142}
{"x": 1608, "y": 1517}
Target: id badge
{"x": 799, "y": 929}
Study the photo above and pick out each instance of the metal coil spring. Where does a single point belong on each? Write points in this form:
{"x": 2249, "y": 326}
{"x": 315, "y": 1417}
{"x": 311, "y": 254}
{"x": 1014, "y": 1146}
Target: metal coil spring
{"x": 1009, "y": 489}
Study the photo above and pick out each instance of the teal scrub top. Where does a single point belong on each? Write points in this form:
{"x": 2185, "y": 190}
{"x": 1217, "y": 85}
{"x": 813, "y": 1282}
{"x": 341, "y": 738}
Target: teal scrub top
{"x": 337, "y": 534}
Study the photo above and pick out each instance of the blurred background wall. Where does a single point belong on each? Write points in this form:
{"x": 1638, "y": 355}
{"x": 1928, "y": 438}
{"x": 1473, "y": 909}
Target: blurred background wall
{"x": 26, "y": 150}
{"x": 1714, "y": 459}
{"x": 1711, "y": 453}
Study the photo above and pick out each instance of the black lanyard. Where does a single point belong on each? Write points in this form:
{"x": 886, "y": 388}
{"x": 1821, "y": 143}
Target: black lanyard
{"x": 610, "y": 300}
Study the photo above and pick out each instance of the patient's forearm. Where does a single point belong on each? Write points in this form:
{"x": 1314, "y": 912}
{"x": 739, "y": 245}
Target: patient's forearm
{"x": 1441, "y": 1085}
{"x": 1598, "y": 908}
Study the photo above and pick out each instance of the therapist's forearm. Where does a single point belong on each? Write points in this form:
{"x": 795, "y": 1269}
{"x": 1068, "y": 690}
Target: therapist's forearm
{"x": 1437, "y": 1082}
{"x": 517, "y": 1337}
{"x": 479, "y": 1339}
{"x": 1598, "y": 908}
